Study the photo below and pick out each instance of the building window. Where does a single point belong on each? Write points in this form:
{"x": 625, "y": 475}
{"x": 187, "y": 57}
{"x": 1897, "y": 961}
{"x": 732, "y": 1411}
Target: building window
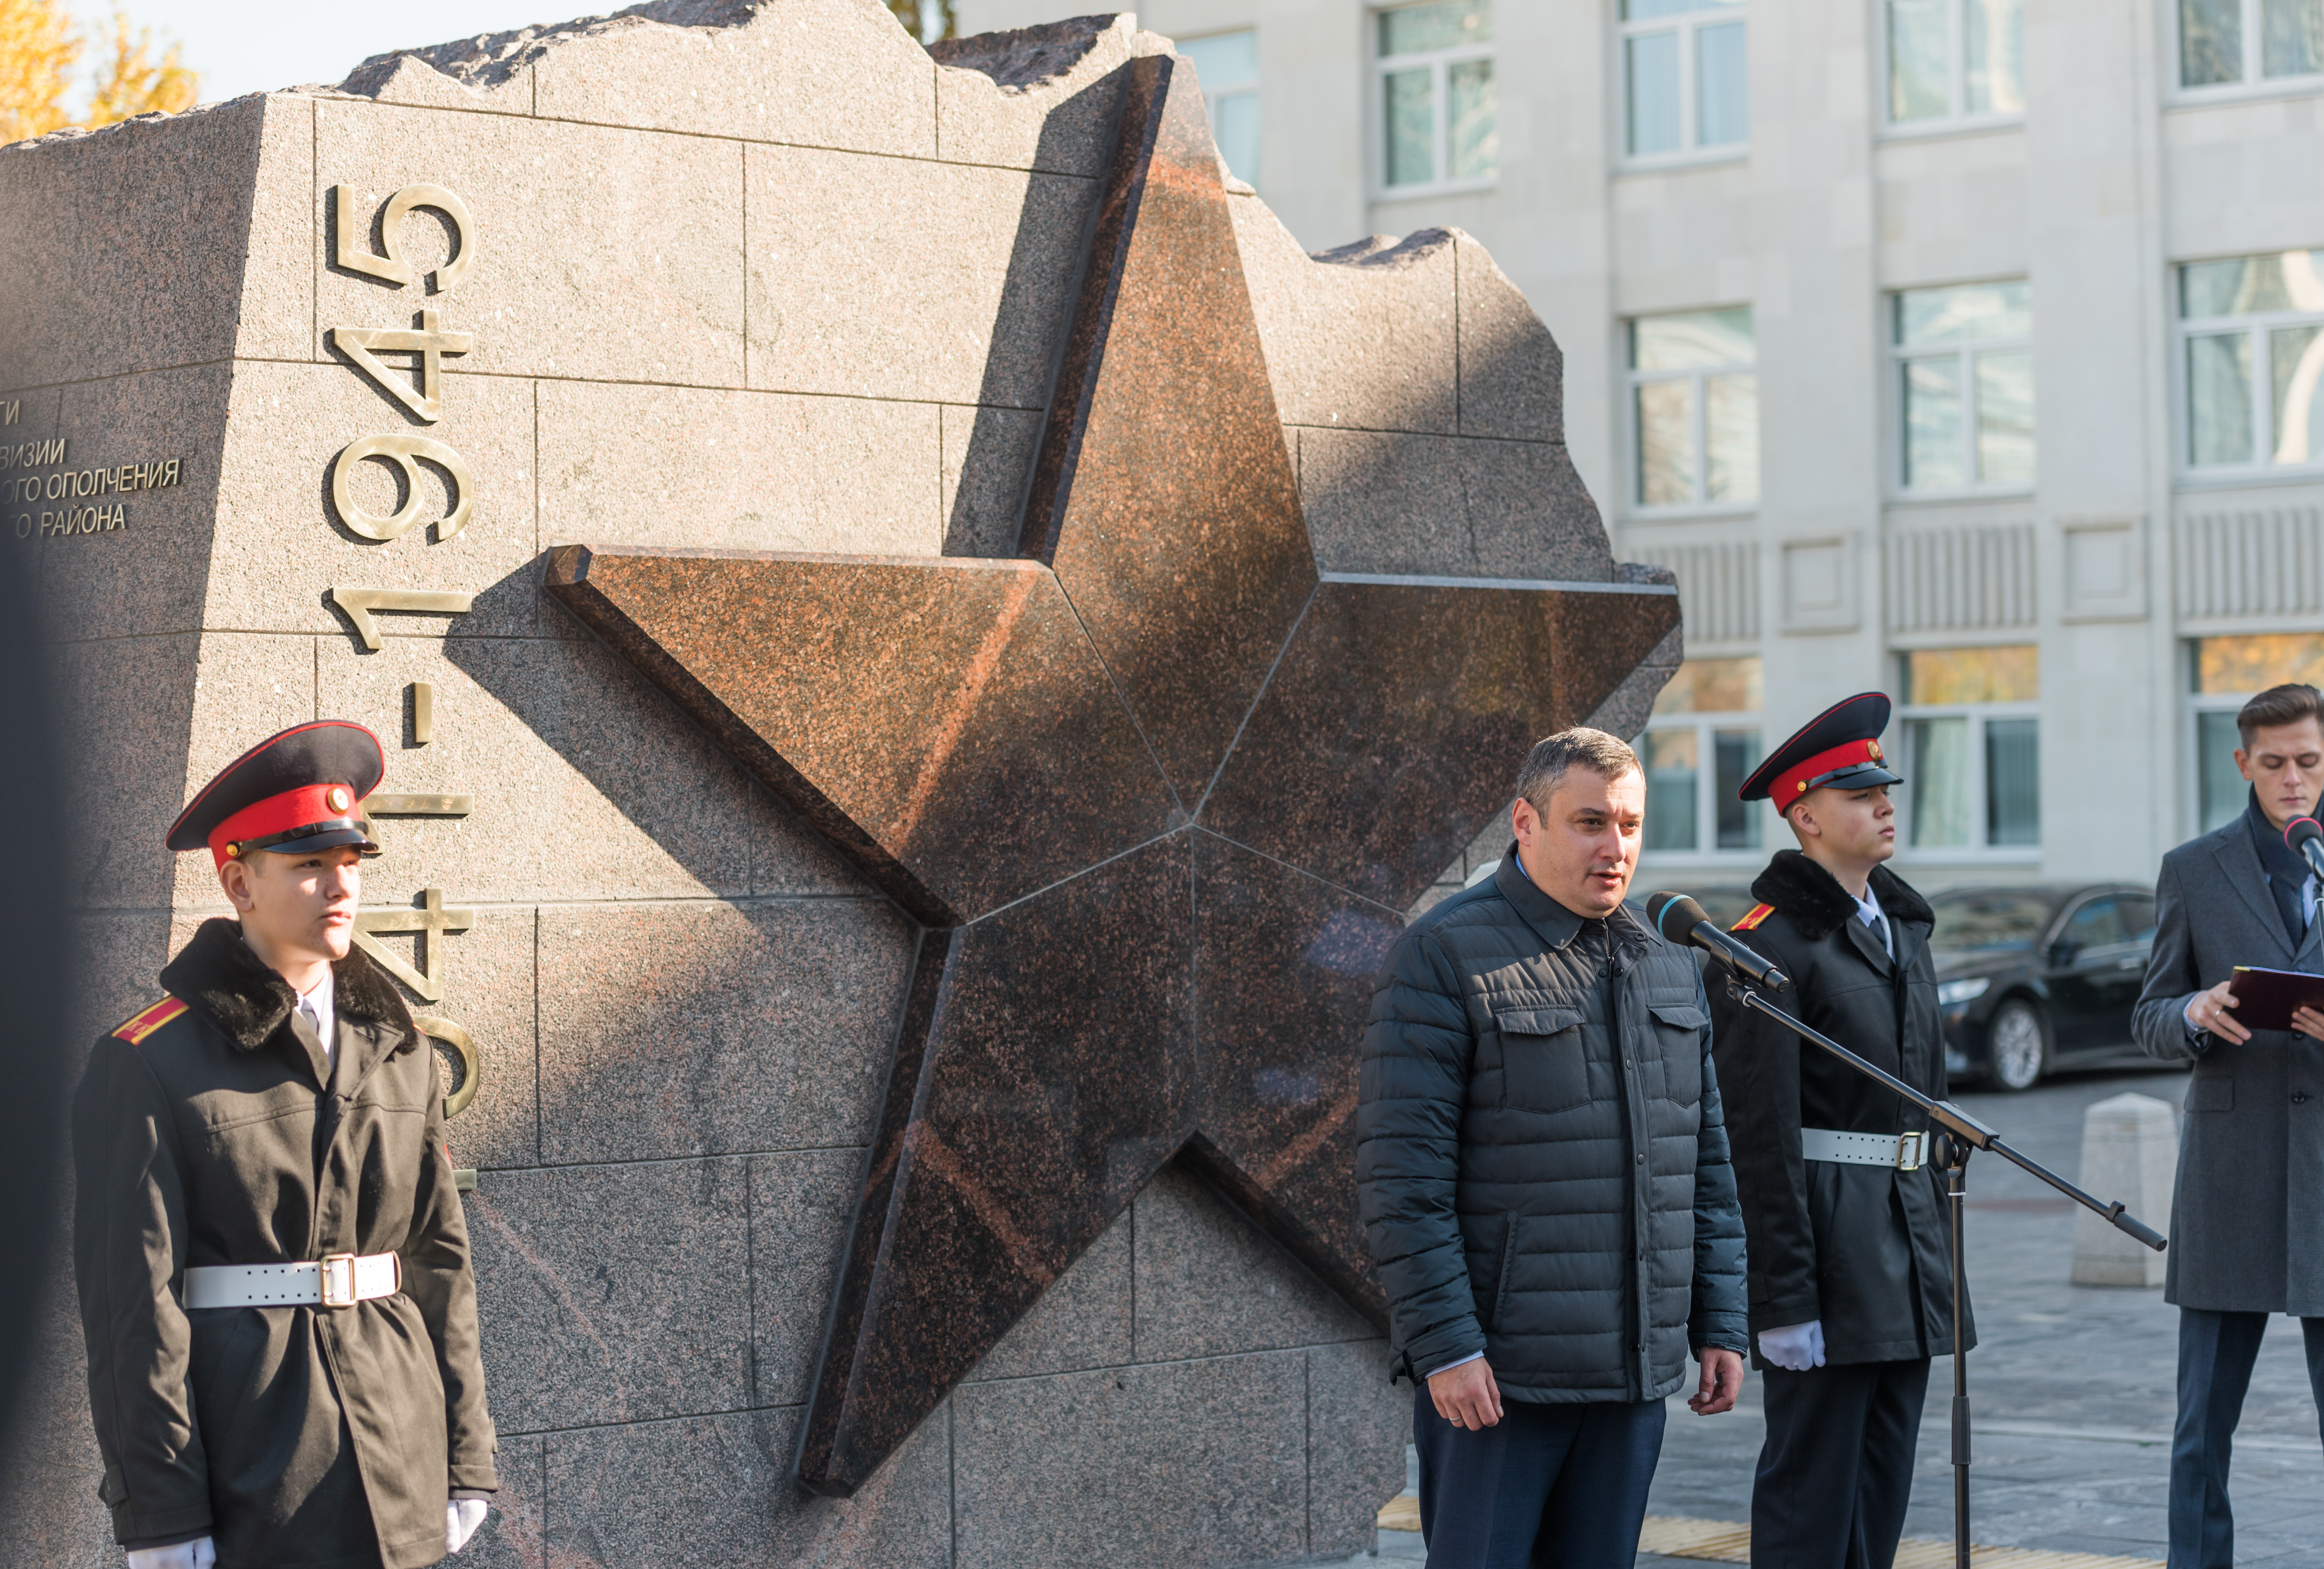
{"x": 2228, "y": 670}
{"x": 1701, "y": 744}
{"x": 2221, "y": 41}
{"x": 1965, "y": 387}
{"x": 1437, "y": 94}
{"x": 1685, "y": 77}
{"x": 1694, "y": 399}
{"x": 1953, "y": 60}
{"x": 1972, "y": 762}
{"x": 2255, "y": 346}
{"x": 1227, "y": 65}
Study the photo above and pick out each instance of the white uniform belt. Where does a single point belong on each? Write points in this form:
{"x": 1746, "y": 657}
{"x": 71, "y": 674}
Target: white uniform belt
{"x": 339, "y": 1281}
{"x": 1903, "y": 1151}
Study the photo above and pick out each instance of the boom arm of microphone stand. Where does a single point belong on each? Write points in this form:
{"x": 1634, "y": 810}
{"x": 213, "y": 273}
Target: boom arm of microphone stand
{"x": 1959, "y": 1123}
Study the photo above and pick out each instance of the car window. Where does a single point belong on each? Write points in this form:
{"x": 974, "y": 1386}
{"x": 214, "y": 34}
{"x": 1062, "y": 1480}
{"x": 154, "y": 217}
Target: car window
{"x": 2138, "y": 916}
{"x": 1986, "y": 921}
{"x": 2095, "y": 922}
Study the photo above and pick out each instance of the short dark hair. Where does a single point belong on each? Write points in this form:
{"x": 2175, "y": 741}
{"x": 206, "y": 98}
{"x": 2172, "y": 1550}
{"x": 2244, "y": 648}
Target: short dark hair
{"x": 1604, "y": 754}
{"x": 2280, "y": 705}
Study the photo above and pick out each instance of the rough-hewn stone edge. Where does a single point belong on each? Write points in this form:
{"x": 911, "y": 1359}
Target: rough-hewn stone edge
{"x": 491, "y": 58}
{"x": 1027, "y": 59}
{"x": 72, "y": 133}
{"x": 1386, "y": 251}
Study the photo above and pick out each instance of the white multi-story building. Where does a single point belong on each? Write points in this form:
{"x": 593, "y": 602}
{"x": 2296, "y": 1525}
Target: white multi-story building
{"x": 1966, "y": 349}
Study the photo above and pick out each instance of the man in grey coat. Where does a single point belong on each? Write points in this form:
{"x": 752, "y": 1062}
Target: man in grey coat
{"x": 2248, "y": 1220}
{"x": 1543, "y": 1174}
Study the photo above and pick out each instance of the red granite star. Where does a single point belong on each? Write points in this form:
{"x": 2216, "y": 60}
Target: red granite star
{"x": 1158, "y": 792}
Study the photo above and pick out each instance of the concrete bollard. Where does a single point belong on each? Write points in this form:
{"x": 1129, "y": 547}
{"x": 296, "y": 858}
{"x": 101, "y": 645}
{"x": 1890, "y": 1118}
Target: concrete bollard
{"x": 2130, "y": 1151}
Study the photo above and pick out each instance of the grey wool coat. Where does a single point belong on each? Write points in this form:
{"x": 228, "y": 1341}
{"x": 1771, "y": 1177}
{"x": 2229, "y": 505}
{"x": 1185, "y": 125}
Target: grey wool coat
{"x": 213, "y": 1129}
{"x": 2247, "y": 1217}
{"x": 1540, "y": 1160}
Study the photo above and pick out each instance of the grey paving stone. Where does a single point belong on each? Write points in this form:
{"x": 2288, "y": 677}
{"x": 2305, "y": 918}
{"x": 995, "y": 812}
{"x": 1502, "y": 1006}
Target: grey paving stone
{"x": 801, "y": 1202}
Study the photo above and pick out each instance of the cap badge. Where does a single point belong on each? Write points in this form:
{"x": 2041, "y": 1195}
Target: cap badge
{"x": 1872, "y": 750}
{"x": 337, "y": 798}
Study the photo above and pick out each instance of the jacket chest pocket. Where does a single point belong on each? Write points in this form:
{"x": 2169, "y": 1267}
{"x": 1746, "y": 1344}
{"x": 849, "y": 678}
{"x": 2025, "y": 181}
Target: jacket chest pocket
{"x": 1544, "y": 1058}
{"x": 1678, "y": 1037}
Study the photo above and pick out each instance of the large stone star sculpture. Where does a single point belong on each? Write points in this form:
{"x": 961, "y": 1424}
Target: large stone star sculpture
{"x": 1158, "y": 790}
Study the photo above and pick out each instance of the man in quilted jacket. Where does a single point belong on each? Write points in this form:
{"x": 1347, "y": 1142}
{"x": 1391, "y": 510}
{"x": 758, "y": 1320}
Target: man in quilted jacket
{"x": 1544, "y": 1178}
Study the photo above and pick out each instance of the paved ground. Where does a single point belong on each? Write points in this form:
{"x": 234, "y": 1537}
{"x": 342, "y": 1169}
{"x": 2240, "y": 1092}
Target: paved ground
{"x": 2072, "y": 1387}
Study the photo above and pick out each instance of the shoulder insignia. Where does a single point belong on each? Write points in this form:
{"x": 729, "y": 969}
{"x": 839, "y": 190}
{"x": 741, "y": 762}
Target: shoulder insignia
{"x": 143, "y": 1024}
{"x": 1759, "y": 912}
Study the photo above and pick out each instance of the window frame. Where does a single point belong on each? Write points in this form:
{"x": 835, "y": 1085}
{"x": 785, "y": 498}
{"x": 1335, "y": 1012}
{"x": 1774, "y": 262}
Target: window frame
{"x": 1439, "y": 62}
{"x": 1706, "y": 727}
{"x": 1699, "y": 422}
{"x": 1980, "y": 847}
{"x": 1689, "y": 151}
{"x": 1957, "y": 116}
{"x": 1965, "y": 352}
{"x": 2255, "y": 329}
{"x": 1214, "y": 95}
{"x": 2254, "y": 83}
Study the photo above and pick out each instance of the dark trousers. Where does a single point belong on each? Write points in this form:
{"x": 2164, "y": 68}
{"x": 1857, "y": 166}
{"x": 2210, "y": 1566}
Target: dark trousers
{"x": 1561, "y": 1486}
{"x": 2216, "y": 1352}
{"x": 1836, "y": 1471}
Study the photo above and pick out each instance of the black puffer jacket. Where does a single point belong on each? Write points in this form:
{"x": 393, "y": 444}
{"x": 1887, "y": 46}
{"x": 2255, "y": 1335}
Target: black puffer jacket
{"x": 1866, "y": 1250}
{"x": 1529, "y": 1192}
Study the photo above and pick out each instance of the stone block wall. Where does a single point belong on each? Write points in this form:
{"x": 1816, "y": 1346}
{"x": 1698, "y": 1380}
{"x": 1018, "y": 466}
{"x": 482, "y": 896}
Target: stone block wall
{"x": 761, "y": 276}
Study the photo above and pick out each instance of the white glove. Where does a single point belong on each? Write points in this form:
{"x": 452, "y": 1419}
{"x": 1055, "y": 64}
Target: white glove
{"x": 1795, "y": 1349}
{"x": 462, "y": 1516}
{"x": 200, "y": 1553}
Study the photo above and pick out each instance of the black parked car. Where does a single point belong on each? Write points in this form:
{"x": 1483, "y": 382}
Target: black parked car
{"x": 2032, "y": 979}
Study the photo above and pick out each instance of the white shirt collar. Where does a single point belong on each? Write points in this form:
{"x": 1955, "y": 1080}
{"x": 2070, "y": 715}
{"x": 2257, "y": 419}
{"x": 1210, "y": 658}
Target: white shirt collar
{"x": 1869, "y": 910}
{"x": 322, "y": 1007}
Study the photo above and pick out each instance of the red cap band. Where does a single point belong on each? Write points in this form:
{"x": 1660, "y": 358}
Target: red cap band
{"x": 1797, "y": 780}
{"x": 310, "y": 805}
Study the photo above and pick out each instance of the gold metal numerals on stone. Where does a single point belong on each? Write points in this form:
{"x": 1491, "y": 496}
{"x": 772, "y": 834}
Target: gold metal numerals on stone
{"x": 360, "y": 602}
{"x": 456, "y": 1058}
{"x": 402, "y": 450}
{"x": 431, "y": 921}
{"x": 355, "y": 254}
{"x": 428, "y": 341}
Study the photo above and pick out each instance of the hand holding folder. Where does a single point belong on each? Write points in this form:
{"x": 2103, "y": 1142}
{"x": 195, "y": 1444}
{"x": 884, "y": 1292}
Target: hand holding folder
{"x": 2265, "y": 999}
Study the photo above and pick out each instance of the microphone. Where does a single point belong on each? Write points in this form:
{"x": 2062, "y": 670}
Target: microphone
{"x": 1679, "y": 919}
{"x": 2306, "y": 835}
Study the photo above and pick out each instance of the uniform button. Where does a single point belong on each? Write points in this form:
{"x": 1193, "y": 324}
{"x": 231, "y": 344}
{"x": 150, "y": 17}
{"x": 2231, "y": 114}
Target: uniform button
{"x": 1642, "y": 1160}
{"x": 2298, "y": 1096}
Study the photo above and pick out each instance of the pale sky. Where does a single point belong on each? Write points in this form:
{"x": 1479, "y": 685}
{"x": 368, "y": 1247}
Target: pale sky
{"x": 253, "y": 46}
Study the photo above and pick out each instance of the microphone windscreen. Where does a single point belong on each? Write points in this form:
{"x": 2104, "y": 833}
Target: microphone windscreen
{"x": 1674, "y": 915}
{"x": 2300, "y": 829}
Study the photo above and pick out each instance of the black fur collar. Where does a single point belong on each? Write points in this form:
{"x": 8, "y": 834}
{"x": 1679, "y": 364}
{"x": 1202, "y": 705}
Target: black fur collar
{"x": 218, "y": 976}
{"x": 1812, "y": 900}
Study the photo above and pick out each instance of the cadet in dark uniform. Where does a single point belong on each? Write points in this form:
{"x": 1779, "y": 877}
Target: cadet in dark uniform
{"x": 1847, "y": 1234}
{"x": 274, "y": 1266}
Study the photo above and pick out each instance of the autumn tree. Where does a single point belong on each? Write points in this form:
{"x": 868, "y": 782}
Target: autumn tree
{"x": 40, "y": 46}
{"x": 926, "y": 20}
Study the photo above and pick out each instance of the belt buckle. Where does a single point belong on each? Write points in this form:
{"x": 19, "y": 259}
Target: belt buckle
{"x": 1909, "y": 1149}
{"x": 340, "y": 1260}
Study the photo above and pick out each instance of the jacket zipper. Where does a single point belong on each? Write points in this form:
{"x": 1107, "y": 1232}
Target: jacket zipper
{"x": 1502, "y": 1279}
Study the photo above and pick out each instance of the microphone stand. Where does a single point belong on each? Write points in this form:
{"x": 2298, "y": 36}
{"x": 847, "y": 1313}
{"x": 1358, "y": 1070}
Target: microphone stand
{"x": 1962, "y": 1136}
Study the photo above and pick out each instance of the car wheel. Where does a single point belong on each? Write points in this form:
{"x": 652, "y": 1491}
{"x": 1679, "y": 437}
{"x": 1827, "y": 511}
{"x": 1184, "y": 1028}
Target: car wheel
{"x": 2020, "y": 1045}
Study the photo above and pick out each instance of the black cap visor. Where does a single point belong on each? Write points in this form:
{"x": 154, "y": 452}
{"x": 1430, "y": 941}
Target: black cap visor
{"x": 1854, "y": 777}
{"x": 320, "y": 836}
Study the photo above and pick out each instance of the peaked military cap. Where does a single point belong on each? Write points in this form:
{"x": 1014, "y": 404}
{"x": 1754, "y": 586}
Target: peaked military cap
{"x": 292, "y": 793}
{"x": 1840, "y": 748}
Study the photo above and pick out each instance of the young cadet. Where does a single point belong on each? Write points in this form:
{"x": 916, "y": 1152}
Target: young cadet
{"x": 1847, "y": 1235}
{"x": 274, "y": 1266}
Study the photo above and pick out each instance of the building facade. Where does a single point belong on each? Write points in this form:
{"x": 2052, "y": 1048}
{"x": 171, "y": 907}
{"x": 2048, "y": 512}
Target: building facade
{"x": 1965, "y": 349}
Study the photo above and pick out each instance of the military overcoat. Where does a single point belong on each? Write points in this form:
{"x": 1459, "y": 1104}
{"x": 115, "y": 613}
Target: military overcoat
{"x": 1866, "y": 1250}
{"x": 214, "y": 1129}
